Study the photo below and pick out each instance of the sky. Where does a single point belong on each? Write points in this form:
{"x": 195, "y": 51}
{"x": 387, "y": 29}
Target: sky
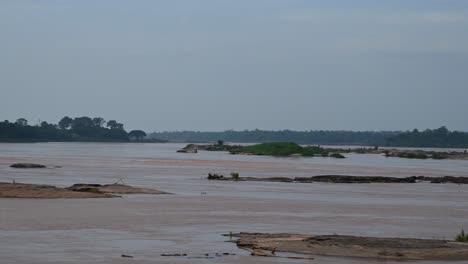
{"x": 213, "y": 65}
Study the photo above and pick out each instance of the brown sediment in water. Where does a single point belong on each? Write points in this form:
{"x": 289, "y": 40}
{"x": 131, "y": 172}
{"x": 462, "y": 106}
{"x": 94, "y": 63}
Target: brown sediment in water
{"x": 263, "y": 244}
{"x": 22, "y": 190}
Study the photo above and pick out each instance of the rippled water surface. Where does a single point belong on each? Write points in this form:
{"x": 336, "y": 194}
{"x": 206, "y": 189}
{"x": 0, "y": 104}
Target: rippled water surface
{"x": 100, "y": 230}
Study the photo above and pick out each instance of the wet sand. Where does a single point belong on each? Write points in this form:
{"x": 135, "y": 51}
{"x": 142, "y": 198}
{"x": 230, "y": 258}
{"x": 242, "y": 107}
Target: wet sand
{"x": 144, "y": 226}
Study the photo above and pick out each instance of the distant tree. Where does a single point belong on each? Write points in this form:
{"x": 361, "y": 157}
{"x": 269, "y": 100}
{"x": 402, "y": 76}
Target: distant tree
{"x": 137, "y": 134}
{"x": 44, "y": 124}
{"x": 442, "y": 130}
{"x": 112, "y": 124}
{"x": 82, "y": 122}
{"x": 220, "y": 142}
{"x": 22, "y": 122}
{"x": 99, "y": 121}
{"x": 119, "y": 126}
{"x": 65, "y": 123}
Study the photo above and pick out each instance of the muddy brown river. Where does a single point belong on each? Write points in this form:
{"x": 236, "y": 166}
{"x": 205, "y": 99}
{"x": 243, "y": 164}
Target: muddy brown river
{"x": 192, "y": 220}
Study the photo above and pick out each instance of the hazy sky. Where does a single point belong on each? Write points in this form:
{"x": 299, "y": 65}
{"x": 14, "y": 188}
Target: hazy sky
{"x": 237, "y": 64}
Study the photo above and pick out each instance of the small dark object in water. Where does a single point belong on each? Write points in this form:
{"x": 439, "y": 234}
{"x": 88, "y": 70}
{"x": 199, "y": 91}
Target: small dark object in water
{"x": 173, "y": 255}
{"x": 126, "y": 256}
{"x": 27, "y": 166}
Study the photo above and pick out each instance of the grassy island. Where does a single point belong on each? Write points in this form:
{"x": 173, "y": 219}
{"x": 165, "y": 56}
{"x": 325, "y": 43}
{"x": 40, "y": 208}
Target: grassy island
{"x": 277, "y": 149}
{"x": 283, "y": 149}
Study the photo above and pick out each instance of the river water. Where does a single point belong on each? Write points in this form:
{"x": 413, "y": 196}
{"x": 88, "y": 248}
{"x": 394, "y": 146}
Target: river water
{"x": 192, "y": 220}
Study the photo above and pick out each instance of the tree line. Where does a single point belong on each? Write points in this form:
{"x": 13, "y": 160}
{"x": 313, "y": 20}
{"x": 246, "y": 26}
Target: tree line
{"x": 68, "y": 129}
{"x": 440, "y": 137}
{"x": 320, "y": 137}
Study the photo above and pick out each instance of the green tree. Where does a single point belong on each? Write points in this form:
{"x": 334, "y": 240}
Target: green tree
{"x": 99, "y": 121}
{"x": 112, "y": 124}
{"x": 137, "y": 134}
{"x": 82, "y": 122}
{"x": 22, "y": 122}
{"x": 65, "y": 123}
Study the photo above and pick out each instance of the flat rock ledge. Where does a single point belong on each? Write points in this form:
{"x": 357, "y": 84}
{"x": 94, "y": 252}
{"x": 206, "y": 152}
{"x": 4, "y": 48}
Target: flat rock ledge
{"x": 346, "y": 179}
{"x": 306, "y": 246}
{"x": 113, "y": 189}
{"x": 22, "y": 190}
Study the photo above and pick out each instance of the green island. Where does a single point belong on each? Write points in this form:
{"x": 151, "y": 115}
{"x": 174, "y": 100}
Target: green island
{"x": 290, "y": 149}
{"x": 276, "y": 149}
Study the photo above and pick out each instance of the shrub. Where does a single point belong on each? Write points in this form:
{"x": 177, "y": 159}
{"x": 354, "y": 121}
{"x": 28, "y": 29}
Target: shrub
{"x": 462, "y": 237}
{"x": 439, "y": 155}
{"x": 235, "y": 175}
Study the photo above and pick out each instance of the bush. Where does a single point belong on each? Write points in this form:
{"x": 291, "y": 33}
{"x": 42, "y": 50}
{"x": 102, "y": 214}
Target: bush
{"x": 462, "y": 237}
{"x": 235, "y": 175}
{"x": 439, "y": 155}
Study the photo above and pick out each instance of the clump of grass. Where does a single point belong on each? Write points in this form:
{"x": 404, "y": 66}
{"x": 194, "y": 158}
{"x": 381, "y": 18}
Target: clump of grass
{"x": 462, "y": 237}
{"x": 235, "y": 175}
{"x": 439, "y": 155}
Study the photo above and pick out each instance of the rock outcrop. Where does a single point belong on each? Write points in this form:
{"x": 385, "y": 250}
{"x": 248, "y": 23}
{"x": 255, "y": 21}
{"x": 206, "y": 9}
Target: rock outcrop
{"x": 28, "y": 166}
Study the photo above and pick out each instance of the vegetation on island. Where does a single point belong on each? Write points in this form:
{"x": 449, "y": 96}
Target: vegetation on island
{"x": 277, "y": 149}
{"x": 68, "y": 129}
{"x": 462, "y": 237}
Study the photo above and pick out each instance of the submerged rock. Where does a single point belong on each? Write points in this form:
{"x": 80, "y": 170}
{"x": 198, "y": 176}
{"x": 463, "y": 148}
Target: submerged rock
{"x": 28, "y": 166}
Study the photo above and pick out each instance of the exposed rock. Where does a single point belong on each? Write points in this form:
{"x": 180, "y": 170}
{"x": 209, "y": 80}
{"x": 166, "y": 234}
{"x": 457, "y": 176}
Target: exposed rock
{"x": 20, "y": 190}
{"x": 28, "y": 166}
{"x": 450, "y": 179}
{"x": 347, "y": 179}
{"x": 355, "y": 179}
{"x": 270, "y": 245}
{"x": 113, "y": 189}
{"x": 190, "y": 148}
